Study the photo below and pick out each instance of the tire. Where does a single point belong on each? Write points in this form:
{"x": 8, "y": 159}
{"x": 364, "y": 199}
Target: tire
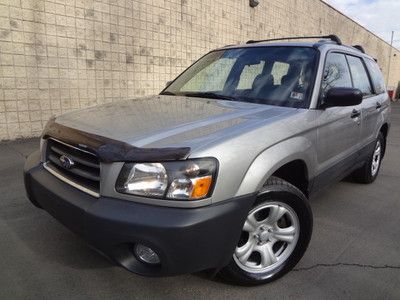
{"x": 277, "y": 236}
{"x": 370, "y": 170}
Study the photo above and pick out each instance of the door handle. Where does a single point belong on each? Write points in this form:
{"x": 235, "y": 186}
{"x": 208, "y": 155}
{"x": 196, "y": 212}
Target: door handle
{"x": 378, "y": 105}
{"x": 355, "y": 113}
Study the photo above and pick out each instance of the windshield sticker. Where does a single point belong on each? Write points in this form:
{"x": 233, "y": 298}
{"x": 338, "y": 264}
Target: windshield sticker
{"x": 297, "y": 96}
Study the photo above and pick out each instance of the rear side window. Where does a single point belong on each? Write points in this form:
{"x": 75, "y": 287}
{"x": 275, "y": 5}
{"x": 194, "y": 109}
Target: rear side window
{"x": 376, "y": 76}
{"x": 359, "y": 75}
{"x": 336, "y": 73}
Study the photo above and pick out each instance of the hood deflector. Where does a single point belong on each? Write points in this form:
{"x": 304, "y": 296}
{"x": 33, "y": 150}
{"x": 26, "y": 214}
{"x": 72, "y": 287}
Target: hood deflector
{"x": 110, "y": 150}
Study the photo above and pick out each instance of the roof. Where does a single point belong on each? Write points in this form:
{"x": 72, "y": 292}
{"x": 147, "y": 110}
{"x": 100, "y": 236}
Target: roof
{"x": 267, "y": 44}
{"x": 315, "y": 45}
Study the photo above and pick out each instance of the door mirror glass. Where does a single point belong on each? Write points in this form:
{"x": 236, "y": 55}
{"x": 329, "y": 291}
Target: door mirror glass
{"x": 343, "y": 97}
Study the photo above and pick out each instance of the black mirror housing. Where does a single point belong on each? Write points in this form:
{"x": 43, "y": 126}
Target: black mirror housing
{"x": 343, "y": 97}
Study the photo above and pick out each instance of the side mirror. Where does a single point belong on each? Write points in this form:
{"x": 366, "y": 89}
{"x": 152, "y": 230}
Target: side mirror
{"x": 168, "y": 83}
{"x": 342, "y": 97}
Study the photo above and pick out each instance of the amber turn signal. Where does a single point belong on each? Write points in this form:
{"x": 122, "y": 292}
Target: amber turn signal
{"x": 201, "y": 187}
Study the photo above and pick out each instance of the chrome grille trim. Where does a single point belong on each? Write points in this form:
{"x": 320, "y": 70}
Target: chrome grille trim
{"x": 73, "y": 147}
{"x": 84, "y": 174}
{"x": 75, "y": 158}
{"x": 70, "y": 182}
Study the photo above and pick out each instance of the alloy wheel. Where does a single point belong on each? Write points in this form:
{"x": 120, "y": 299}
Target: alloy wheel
{"x": 269, "y": 236}
{"x": 376, "y": 159}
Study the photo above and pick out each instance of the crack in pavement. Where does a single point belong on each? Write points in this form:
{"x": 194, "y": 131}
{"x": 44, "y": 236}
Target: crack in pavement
{"x": 323, "y": 265}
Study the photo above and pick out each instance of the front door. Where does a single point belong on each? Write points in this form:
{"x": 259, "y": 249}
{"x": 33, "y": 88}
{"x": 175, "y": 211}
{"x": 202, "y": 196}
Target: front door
{"x": 339, "y": 128}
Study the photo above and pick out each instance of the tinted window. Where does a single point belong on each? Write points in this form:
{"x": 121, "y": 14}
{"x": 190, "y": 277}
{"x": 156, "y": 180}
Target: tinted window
{"x": 279, "y": 70}
{"x": 211, "y": 78}
{"x": 249, "y": 73}
{"x": 376, "y": 76}
{"x": 336, "y": 73}
{"x": 280, "y": 76}
{"x": 359, "y": 75}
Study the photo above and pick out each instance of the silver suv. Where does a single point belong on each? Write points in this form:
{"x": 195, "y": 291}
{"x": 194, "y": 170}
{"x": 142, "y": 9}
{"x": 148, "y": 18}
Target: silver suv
{"x": 215, "y": 172}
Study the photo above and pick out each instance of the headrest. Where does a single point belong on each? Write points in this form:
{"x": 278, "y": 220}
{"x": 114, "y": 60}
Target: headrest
{"x": 293, "y": 73}
{"x": 263, "y": 80}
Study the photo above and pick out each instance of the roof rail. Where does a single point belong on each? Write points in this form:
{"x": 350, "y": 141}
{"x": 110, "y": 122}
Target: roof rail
{"x": 332, "y": 37}
{"x": 359, "y": 48}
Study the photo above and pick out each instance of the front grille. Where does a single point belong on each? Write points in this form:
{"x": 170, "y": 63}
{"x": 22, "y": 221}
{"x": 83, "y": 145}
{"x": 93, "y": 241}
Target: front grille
{"x": 76, "y": 166}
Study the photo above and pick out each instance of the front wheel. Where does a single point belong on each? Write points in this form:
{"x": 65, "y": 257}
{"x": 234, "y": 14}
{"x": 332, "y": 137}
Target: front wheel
{"x": 274, "y": 237}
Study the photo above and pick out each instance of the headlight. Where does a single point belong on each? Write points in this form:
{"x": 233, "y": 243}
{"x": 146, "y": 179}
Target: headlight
{"x": 190, "y": 179}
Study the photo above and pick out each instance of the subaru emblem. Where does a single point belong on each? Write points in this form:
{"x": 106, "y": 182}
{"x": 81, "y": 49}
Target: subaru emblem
{"x": 66, "y": 162}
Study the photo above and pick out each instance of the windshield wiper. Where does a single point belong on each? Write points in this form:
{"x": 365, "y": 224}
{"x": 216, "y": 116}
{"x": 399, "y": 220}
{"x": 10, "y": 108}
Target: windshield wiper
{"x": 200, "y": 95}
{"x": 208, "y": 95}
{"x": 168, "y": 93}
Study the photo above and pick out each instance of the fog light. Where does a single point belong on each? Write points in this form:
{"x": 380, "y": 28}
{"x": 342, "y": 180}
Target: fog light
{"x": 146, "y": 254}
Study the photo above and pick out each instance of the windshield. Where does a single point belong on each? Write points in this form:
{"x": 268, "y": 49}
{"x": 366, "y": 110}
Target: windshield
{"x": 280, "y": 76}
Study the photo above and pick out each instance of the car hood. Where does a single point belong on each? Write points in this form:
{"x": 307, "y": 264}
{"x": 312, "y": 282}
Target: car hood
{"x": 172, "y": 121}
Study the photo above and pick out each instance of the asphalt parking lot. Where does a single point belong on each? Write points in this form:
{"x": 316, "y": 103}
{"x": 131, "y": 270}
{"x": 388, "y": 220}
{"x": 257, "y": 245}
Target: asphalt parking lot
{"x": 354, "y": 251}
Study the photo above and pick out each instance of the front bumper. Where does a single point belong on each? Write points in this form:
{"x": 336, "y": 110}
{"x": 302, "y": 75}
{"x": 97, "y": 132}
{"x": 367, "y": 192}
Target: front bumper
{"x": 186, "y": 240}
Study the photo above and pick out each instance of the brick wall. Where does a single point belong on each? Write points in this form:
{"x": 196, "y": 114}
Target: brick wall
{"x": 60, "y": 55}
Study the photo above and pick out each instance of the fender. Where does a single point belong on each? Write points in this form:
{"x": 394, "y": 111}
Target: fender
{"x": 271, "y": 159}
{"x": 384, "y": 117}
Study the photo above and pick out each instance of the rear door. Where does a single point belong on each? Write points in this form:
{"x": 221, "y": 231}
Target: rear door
{"x": 372, "y": 106}
{"x": 339, "y": 128}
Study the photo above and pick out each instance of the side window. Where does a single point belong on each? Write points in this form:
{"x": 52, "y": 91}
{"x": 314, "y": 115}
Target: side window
{"x": 376, "y": 76}
{"x": 360, "y": 76}
{"x": 336, "y": 73}
{"x": 248, "y": 75}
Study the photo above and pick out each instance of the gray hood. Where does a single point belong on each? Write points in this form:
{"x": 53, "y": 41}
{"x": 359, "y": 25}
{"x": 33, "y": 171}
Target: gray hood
{"x": 172, "y": 121}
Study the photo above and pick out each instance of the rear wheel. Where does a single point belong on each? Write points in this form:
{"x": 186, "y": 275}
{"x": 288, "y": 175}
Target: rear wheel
{"x": 369, "y": 172}
{"x": 274, "y": 237}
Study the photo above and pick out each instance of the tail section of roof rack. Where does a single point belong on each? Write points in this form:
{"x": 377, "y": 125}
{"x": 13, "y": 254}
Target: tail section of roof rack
{"x": 360, "y": 48}
{"x": 331, "y": 37}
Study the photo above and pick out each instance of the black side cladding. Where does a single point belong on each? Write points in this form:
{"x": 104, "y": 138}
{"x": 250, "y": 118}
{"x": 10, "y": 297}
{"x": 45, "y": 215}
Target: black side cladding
{"x": 110, "y": 150}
